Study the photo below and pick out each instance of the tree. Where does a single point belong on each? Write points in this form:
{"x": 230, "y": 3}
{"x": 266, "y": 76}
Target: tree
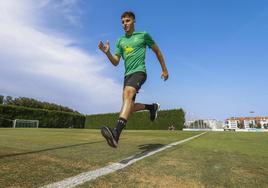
{"x": 8, "y": 100}
{"x": 1, "y": 99}
{"x": 241, "y": 125}
{"x": 250, "y": 125}
{"x": 33, "y": 103}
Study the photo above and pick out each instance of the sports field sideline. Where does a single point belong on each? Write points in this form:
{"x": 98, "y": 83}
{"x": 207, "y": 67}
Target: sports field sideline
{"x": 37, "y": 157}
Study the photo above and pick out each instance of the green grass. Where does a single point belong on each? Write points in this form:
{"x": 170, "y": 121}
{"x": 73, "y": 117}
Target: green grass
{"x": 35, "y": 157}
{"x": 213, "y": 160}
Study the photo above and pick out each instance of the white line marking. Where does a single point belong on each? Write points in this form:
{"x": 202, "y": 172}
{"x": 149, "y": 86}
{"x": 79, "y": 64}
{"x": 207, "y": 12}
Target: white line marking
{"x": 91, "y": 175}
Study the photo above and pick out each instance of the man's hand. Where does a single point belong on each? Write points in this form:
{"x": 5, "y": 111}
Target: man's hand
{"x": 164, "y": 75}
{"x": 105, "y": 48}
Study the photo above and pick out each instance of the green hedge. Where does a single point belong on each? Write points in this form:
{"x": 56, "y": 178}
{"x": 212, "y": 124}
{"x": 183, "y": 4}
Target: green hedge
{"x": 140, "y": 120}
{"x": 47, "y": 118}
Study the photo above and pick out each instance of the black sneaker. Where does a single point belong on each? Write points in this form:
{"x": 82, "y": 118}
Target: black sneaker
{"x": 153, "y": 112}
{"x": 110, "y": 136}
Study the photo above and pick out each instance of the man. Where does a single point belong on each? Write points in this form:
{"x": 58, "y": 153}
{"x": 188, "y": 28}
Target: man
{"x": 132, "y": 48}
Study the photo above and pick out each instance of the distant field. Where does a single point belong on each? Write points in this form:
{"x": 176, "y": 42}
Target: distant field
{"x": 35, "y": 157}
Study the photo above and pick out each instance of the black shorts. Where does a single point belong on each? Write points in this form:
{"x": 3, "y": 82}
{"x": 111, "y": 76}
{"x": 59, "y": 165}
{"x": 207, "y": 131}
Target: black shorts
{"x": 135, "y": 80}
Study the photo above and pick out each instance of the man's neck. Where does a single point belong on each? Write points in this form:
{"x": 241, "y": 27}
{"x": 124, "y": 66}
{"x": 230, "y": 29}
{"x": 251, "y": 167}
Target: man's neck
{"x": 130, "y": 32}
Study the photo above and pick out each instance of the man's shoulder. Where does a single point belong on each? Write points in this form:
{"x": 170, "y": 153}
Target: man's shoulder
{"x": 118, "y": 41}
{"x": 139, "y": 34}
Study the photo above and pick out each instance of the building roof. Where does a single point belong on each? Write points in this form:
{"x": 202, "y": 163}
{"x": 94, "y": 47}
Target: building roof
{"x": 249, "y": 118}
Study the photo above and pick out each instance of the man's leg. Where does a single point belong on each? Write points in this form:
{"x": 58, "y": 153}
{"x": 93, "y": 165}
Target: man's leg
{"x": 138, "y": 107}
{"x": 153, "y": 108}
{"x": 127, "y": 108}
{"x": 128, "y": 102}
{"x": 112, "y": 135}
{"x": 132, "y": 84}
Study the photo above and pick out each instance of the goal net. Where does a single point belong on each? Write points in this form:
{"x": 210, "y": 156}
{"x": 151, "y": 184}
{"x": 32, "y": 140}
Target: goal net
{"x": 21, "y": 123}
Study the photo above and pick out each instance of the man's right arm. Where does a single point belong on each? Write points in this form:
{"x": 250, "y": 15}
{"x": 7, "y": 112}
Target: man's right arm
{"x": 105, "y": 48}
{"x": 113, "y": 58}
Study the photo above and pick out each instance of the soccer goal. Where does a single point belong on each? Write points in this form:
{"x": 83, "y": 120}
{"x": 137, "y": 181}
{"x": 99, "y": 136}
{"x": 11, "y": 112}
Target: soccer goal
{"x": 23, "y": 123}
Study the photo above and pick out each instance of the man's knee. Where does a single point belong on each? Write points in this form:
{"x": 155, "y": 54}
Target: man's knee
{"x": 129, "y": 93}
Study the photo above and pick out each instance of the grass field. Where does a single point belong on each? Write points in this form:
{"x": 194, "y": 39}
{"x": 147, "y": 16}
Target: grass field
{"x": 36, "y": 157}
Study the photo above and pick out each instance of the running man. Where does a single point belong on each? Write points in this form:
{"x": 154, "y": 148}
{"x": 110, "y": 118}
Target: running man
{"x": 132, "y": 48}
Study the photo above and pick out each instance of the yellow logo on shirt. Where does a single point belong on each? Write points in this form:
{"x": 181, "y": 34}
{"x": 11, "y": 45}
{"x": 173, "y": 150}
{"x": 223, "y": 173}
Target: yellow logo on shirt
{"x": 128, "y": 50}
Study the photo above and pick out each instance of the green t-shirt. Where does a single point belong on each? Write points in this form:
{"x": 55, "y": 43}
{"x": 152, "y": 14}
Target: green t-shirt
{"x": 132, "y": 49}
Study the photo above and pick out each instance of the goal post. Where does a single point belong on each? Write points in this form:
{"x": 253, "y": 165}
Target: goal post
{"x": 25, "y": 123}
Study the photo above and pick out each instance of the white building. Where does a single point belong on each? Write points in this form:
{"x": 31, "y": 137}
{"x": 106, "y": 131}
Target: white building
{"x": 246, "y": 122}
{"x": 231, "y": 123}
{"x": 264, "y": 122}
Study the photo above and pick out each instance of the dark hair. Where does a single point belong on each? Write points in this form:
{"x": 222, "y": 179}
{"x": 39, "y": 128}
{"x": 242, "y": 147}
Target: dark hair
{"x": 128, "y": 14}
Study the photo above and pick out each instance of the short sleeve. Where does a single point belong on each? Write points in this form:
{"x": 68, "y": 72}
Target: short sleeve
{"x": 118, "y": 49}
{"x": 148, "y": 40}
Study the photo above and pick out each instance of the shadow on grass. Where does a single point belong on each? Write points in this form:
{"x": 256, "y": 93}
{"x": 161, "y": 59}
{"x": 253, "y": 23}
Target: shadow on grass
{"x": 146, "y": 149}
{"x": 48, "y": 149}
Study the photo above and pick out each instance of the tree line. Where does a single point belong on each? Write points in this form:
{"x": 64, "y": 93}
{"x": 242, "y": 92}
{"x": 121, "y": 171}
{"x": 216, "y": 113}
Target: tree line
{"x": 33, "y": 103}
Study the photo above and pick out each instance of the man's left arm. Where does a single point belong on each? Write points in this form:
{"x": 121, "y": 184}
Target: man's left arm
{"x": 161, "y": 60}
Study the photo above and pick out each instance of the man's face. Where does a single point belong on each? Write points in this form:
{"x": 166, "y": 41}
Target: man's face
{"x": 128, "y": 23}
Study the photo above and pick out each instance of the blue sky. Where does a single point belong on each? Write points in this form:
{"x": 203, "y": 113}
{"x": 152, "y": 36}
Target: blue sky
{"x": 215, "y": 51}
